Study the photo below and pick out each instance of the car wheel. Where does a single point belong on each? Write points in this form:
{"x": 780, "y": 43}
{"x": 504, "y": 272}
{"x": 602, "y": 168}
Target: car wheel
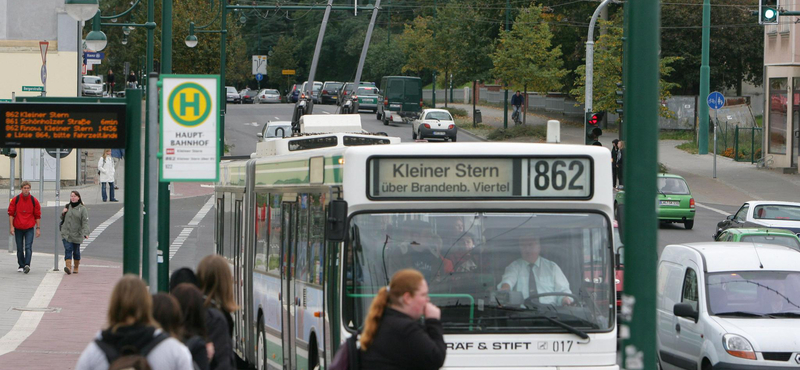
{"x": 688, "y": 224}
{"x": 377, "y": 116}
{"x": 385, "y": 119}
{"x": 453, "y": 139}
{"x": 413, "y": 134}
{"x": 419, "y": 135}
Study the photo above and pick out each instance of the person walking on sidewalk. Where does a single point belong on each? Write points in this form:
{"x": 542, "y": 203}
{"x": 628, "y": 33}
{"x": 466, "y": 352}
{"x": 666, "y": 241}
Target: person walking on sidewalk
{"x": 132, "y": 331}
{"x": 132, "y": 80}
{"x": 394, "y": 337}
{"x": 110, "y": 82}
{"x": 614, "y": 153}
{"x": 105, "y": 166}
{"x": 620, "y": 161}
{"x": 24, "y": 212}
{"x": 516, "y": 104}
{"x": 74, "y": 229}
{"x": 216, "y": 282}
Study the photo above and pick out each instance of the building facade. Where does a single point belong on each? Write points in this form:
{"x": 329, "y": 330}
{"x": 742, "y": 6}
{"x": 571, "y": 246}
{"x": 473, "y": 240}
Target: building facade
{"x": 782, "y": 79}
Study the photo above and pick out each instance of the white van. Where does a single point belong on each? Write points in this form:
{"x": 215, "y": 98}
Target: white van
{"x": 728, "y": 305}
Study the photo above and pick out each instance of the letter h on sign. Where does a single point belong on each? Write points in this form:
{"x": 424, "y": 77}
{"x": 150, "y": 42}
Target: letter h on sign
{"x": 194, "y": 104}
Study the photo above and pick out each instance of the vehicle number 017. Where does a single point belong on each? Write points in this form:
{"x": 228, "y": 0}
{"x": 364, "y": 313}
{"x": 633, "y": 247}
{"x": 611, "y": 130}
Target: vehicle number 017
{"x": 562, "y": 346}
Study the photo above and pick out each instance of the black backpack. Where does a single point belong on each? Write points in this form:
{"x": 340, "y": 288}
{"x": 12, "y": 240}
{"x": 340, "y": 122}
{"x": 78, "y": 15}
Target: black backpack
{"x": 130, "y": 357}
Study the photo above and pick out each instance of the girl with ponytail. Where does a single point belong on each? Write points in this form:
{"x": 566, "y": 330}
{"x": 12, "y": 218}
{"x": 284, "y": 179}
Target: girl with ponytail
{"x": 393, "y": 336}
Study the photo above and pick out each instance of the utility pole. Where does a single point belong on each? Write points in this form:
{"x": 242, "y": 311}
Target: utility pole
{"x": 163, "y": 187}
{"x": 640, "y": 226}
{"x": 705, "y": 72}
{"x": 389, "y": 23}
{"x": 505, "y": 99}
{"x": 589, "y": 90}
{"x": 151, "y": 27}
{"x": 433, "y": 92}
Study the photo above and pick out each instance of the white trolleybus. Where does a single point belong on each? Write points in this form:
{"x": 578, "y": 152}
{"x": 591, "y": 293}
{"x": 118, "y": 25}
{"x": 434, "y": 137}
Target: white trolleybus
{"x": 314, "y": 230}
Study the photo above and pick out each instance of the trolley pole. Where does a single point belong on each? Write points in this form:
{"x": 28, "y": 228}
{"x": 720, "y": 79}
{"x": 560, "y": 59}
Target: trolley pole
{"x": 163, "y": 187}
{"x": 640, "y": 227}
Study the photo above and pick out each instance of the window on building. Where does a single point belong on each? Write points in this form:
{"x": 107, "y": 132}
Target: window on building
{"x": 777, "y": 115}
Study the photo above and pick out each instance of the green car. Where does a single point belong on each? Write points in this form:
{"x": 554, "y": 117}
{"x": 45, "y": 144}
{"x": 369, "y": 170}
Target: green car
{"x": 762, "y": 236}
{"x": 675, "y": 201}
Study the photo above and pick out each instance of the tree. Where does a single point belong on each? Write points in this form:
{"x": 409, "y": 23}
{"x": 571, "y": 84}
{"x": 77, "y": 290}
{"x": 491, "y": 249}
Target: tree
{"x": 416, "y": 41}
{"x": 525, "y": 56}
{"x": 608, "y": 72}
{"x": 283, "y": 57}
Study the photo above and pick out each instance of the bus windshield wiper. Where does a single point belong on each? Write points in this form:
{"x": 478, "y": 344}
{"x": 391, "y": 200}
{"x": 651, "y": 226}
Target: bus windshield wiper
{"x": 739, "y": 313}
{"x": 784, "y": 314}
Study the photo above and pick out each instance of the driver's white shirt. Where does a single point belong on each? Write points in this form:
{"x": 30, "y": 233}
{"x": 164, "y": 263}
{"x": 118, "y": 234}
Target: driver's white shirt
{"x": 549, "y": 279}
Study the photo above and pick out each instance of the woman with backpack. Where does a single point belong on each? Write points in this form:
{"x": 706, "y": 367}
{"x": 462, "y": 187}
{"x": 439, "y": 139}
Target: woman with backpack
{"x": 193, "y": 323}
{"x": 216, "y": 282}
{"x": 105, "y": 168}
{"x": 132, "y": 339}
{"x": 394, "y": 337}
{"x": 74, "y": 229}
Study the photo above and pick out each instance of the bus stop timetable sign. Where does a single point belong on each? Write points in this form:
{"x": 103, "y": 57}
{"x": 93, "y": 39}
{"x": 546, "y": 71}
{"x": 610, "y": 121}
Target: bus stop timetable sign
{"x": 62, "y": 125}
{"x": 189, "y": 128}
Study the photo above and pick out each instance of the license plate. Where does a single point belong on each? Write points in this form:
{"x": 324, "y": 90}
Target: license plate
{"x": 369, "y": 100}
{"x": 335, "y": 97}
{"x": 440, "y": 133}
{"x": 673, "y": 203}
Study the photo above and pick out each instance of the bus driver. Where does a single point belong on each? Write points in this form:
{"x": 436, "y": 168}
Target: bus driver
{"x": 547, "y": 276}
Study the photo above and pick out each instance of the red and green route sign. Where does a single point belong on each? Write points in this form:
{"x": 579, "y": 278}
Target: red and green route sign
{"x": 62, "y": 125}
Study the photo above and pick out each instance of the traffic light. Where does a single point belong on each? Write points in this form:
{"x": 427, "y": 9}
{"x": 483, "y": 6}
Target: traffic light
{"x": 592, "y": 125}
{"x": 9, "y": 152}
{"x": 620, "y": 99}
{"x": 768, "y": 12}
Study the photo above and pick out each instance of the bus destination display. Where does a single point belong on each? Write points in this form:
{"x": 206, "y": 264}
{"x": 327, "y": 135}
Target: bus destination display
{"x": 426, "y": 178}
{"x": 65, "y": 125}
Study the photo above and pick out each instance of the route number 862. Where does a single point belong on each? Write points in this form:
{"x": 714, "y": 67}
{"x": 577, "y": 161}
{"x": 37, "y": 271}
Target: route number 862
{"x": 559, "y": 175}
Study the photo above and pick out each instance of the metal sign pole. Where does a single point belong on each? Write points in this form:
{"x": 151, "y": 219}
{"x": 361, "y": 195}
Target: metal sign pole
{"x": 715, "y": 143}
{"x": 58, "y": 208}
{"x": 11, "y": 196}
{"x": 41, "y": 175}
{"x": 152, "y": 183}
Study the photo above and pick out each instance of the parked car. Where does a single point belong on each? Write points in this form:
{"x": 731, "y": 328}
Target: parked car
{"x": 675, "y": 200}
{"x": 315, "y": 93}
{"x": 401, "y": 99}
{"x": 764, "y": 213}
{"x": 728, "y": 305}
{"x": 92, "y": 86}
{"x": 761, "y": 236}
{"x": 268, "y": 96}
{"x": 367, "y": 97}
{"x": 330, "y": 92}
{"x": 275, "y": 129}
{"x": 347, "y": 89}
{"x": 233, "y": 95}
{"x": 434, "y": 124}
{"x": 248, "y": 96}
{"x": 294, "y": 94}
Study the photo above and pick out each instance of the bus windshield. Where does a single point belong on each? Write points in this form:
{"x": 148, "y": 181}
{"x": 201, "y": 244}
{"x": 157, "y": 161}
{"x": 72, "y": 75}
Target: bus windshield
{"x": 479, "y": 267}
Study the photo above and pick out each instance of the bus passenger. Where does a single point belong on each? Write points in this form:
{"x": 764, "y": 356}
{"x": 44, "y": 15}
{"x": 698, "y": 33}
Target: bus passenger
{"x": 462, "y": 257}
{"x": 547, "y": 276}
{"x": 393, "y": 337}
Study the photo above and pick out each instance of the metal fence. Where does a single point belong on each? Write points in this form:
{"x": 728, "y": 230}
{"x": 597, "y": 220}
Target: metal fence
{"x": 742, "y": 144}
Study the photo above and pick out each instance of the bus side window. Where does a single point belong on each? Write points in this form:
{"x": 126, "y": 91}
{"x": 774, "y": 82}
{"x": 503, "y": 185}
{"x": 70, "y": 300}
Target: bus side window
{"x": 301, "y": 256}
{"x": 262, "y": 205}
{"x": 316, "y": 238}
{"x": 274, "y": 226}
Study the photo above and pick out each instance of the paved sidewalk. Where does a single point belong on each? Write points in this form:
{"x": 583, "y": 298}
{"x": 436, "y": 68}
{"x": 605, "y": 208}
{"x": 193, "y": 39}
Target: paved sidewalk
{"x": 736, "y": 182}
{"x": 47, "y": 317}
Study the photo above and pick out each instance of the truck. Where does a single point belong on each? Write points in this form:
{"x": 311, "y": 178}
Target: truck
{"x": 400, "y": 99}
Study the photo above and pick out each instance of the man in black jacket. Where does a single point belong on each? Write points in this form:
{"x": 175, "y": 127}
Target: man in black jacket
{"x": 516, "y": 104}
{"x": 614, "y": 153}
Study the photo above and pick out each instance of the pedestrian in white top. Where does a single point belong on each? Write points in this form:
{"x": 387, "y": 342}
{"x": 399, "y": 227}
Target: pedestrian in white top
{"x": 132, "y": 331}
{"x": 105, "y": 168}
{"x": 547, "y": 276}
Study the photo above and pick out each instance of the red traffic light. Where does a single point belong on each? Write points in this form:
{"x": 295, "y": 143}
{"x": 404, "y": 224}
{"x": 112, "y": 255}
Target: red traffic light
{"x": 594, "y": 119}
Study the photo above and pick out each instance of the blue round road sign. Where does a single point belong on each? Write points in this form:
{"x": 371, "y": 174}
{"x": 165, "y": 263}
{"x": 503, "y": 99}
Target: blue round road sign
{"x": 716, "y": 100}
{"x": 259, "y": 77}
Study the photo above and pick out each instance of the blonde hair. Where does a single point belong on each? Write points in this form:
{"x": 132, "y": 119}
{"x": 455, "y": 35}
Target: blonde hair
{"x": 216, "y": 281}
{"x": 130, "y": 299}
{"x": 403, "y": 281}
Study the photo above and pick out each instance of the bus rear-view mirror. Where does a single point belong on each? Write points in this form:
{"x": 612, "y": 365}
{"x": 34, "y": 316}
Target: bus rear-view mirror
{"x": 337, "y": 218}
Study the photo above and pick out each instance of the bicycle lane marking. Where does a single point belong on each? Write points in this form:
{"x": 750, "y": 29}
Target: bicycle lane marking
{"x": 178, "y": 242}
{"x": 102, "y": 227}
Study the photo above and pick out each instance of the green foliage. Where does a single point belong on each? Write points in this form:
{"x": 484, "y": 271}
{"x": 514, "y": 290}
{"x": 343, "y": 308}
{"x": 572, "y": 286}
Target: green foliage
{"x": 456, "y": 112}
{"x": 525, "y": 56}
{"x": 538, "y": 131}
{"x": 283, "y": 57}
{"x": 608, "y": 71}
{"x": 676, "y": 135}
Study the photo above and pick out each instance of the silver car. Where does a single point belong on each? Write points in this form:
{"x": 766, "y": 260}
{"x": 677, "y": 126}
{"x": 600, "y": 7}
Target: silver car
{"x": 275, "y": 129}
{"x": 92, "y": 86}
{"x": 268, "y": 96}
{"x": 233, "y": 95}
{"x": 764, "y": 213}
{"x": 434, "y": 124}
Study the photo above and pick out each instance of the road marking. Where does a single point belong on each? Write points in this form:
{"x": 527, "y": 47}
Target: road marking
{"x": 29, "y": 320}
{"x": 178, "y": 242}
{"x": 255, "y": 124}
{"x": 277, "y": 118}
{"x": 102, "y": 227}
{"x": 712, "y": 209}
{"x": 326, "y": 112}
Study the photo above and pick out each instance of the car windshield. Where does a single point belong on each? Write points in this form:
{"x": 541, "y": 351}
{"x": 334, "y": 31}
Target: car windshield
{"x": 272, "y": 131}
{"x": 92, "y": 80}
{"x": 672, "y": 185}
{"x": 777, "y": 212}
{"x": 756, "y": 292}
{"x": 476, "y": 273}
{"x": 441, "y": 116}
{"x": 333, "y": 86}
{"x": 367, "y": 91}
{"x": 231, "y": 90}
{"x": 785, "y": 240}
